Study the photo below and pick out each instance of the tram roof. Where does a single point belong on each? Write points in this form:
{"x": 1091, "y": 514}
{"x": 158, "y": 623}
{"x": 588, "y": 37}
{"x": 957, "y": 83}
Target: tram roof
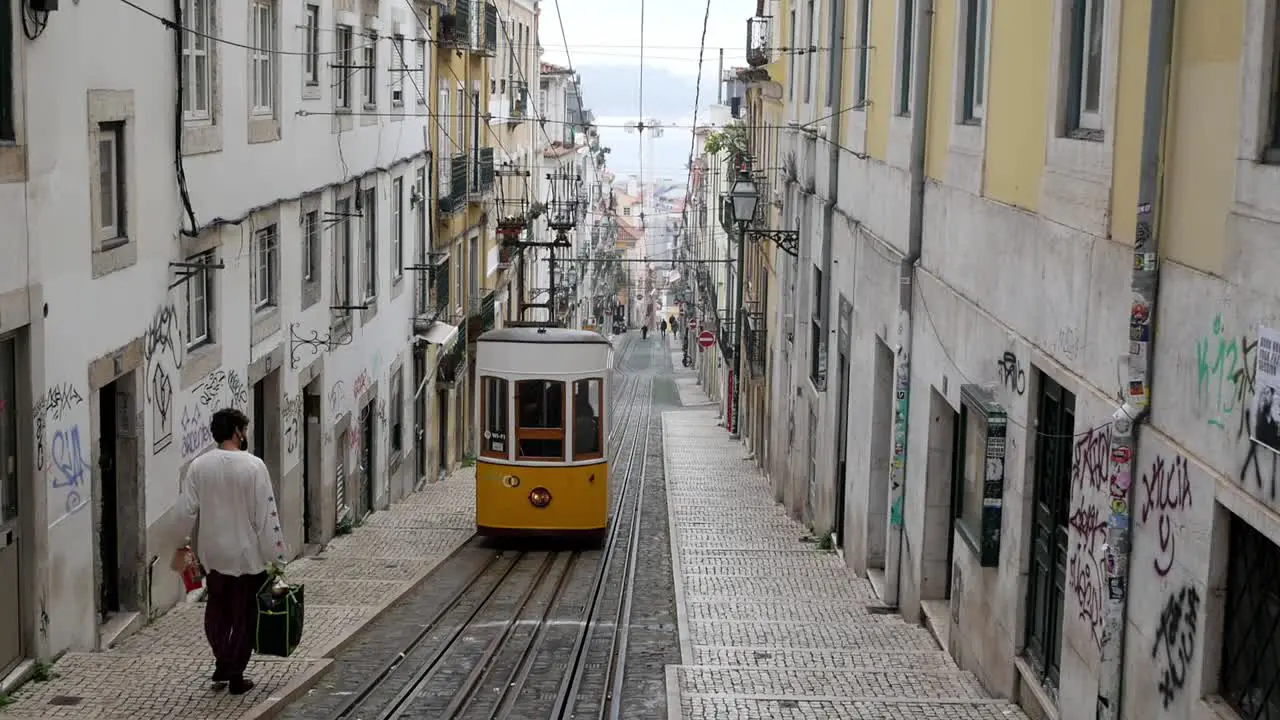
{"x": 544, "y": 336}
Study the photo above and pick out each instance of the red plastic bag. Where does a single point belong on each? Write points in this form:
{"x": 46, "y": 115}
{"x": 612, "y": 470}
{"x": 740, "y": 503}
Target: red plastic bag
{"x": 186, "y": 564}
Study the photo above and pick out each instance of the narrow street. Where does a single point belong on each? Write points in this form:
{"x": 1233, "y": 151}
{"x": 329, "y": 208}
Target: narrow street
{"x": 752, "y": 620}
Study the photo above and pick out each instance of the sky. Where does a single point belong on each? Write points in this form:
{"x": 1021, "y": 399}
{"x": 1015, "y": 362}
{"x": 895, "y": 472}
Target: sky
{"x": 609, "y": 34}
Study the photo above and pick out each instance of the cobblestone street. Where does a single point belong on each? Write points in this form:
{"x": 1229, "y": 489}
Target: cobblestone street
{"x": 771, "y": 626}
{"x": 163, "y": 670}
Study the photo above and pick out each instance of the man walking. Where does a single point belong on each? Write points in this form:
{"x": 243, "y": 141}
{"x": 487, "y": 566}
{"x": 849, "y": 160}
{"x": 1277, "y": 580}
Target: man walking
{"x": 229, "y": 490}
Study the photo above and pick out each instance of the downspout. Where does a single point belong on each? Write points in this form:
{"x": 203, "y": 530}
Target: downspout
{"x": 834, "y": 150}
{"x": 1140, "y": 312}
{"x": 906, "y": 282}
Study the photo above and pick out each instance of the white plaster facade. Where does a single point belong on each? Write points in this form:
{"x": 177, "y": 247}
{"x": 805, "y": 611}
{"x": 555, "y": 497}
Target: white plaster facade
{"x": 112, "y": 323}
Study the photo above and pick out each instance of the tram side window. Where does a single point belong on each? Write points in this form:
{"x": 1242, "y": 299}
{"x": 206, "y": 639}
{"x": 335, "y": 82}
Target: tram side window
{"x": 587, "y": 399}
{"x": 540, "y": 422}
{"x": 493, "y": 443}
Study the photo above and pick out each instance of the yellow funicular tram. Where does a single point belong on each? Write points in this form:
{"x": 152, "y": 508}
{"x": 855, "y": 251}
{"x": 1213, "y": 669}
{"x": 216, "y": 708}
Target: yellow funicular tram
{"x": 543, "y": 421}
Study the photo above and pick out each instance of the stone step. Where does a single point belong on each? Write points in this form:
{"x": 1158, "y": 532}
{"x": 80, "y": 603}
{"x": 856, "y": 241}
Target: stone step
{"x": 719, "y": 707}
{"x": 831, "y": 636}
{"x": 816, "y": 682}
{"x": 842, "y": 659}
{"x": 799, "y": 589}
{"x": 834, "y": 611}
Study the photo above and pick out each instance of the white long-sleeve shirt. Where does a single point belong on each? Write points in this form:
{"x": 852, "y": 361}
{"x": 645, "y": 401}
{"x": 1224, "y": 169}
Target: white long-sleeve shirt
{"x": 230, "y": 491}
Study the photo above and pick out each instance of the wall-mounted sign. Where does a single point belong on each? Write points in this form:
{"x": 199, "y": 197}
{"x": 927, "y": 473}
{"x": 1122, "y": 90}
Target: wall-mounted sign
{"x": 985, "y": 428}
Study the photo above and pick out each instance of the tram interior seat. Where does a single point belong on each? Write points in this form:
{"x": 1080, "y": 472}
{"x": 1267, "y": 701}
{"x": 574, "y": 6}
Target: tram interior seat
{"x": 541, "y": 407}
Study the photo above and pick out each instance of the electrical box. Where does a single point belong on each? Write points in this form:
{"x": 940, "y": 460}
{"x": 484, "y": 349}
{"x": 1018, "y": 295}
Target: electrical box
{"x": 44, "y": 5}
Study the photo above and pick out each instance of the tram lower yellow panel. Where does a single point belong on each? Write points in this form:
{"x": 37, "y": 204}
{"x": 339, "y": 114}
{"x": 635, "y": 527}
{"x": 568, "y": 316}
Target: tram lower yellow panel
{"x": 579, "y": 499}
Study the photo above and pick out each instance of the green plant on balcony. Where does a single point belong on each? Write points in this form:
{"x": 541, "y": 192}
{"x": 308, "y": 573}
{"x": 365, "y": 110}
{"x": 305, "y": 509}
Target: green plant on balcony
{"x": 730, "y": 141}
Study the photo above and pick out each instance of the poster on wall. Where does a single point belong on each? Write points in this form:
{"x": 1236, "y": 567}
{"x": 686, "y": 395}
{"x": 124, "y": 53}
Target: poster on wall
{"x": 1266, "y": 400}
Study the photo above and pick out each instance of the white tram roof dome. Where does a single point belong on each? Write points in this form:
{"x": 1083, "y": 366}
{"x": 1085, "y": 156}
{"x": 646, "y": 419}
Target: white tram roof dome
{"x": 544, "y": 335}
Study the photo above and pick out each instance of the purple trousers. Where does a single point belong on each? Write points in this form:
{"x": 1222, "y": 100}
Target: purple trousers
{"x": 230, "y": 617}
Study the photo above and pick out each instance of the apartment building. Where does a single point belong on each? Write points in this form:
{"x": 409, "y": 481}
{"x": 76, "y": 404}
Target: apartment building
{"x": 232, "y": 227}
{"x": 969, "y": 396}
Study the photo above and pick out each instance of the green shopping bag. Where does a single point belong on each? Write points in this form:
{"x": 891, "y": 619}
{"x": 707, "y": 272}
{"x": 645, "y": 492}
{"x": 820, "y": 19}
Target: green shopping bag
{"x": 280, "y": 613}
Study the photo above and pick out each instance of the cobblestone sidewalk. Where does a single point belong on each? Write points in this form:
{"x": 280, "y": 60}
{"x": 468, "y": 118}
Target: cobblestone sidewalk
{"x": 163, "y": 671}
{"x": 772, "y": 627}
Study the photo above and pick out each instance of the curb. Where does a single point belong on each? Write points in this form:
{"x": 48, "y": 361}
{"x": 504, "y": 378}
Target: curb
{"x": 677, "y": 567}
{"x": 298, "y": 686}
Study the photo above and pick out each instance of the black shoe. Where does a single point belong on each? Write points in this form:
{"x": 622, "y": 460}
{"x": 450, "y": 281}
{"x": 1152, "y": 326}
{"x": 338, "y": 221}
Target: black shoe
{"x": 240, "y": 686}
{"x": 220, "y": 678}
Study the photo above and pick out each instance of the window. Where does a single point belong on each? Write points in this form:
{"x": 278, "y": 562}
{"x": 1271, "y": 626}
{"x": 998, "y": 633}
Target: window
{"x": 342, "y": 70}
{"x": 397, "y": 70}
{"x": 397, "y": 228}
{"x": 369, "y": 260}
{"x": 342, "y": 254}
{"x": 443, "y": 119}
{"x": 542, "y": 101}
{"x": 975, "y": 60}
{"x": 371, "y": 70}
{"x": 111, "y": 181}
{"x": 421, "y": 68}
{"x": 265, "y": 257}
{"x": 473, "y": 264}
{"x": 1250, "y": 675}
{"x": 1085, "y": 100}
{"x": 421, "y": 214}
{"x": 262, "y": 58}
{"x": 588, "y": 398}
{"x": 626, "y": 211}
{"x": 834, "y": 59}
{"x": 396, "y": 412}
{"x": 310, "y": 245}
{"x": 791, "y": 60}
{"x": 540, "y": 422}
{"x": 197, "y": 51}
{"x": 818, "y": 339}
{"x": 458, "y": 297}
{"x": 311, "y": 44}
{"x": 862, "y": 52}
{"x": 906, "y": 48}
{"x": 493, "y": 440}
{"x": 199, "y": 292}
{"x": 971, "y": 437}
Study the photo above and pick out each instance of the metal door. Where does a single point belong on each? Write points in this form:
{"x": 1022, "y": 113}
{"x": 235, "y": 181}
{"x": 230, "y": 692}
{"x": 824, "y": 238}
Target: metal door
{"x": 1050, "y": 516}
{"x": 366, "y": 460}
{"x": 10, "y": 546}
{"x": 842, "y": 425}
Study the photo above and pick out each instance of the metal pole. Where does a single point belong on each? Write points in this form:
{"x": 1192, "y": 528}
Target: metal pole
{"x": 551, "y": 292}
{"x": 1125, "y": 421}
{"x": 737, "y": 329}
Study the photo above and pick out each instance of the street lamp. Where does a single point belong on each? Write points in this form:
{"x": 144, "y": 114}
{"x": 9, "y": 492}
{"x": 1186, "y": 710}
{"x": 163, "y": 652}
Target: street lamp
{"x": 743, "y": 198}
{"x": 564, "y": 191}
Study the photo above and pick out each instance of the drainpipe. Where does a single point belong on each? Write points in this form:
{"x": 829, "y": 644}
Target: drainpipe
{"x": 834, "y": 150}
{"x": 1141, "y": 312}
{"x": 906, "y": 281}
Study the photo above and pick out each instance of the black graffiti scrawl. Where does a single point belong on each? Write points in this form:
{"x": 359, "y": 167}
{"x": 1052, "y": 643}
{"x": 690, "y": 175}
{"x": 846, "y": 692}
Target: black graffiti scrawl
{"x": 1175, "y": 643}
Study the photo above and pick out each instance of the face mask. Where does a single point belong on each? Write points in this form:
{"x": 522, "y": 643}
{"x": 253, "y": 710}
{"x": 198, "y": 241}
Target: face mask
{"x": 244, "y": 444}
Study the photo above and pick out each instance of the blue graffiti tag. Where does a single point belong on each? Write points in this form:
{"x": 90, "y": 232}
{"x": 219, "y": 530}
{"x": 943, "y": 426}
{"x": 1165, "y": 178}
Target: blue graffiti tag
{"x": 195, "y": 433}
{"x": 72, "y": 469}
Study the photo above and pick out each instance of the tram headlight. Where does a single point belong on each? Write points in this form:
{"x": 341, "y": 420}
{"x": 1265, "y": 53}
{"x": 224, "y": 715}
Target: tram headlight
{"x": 540, "y": 497}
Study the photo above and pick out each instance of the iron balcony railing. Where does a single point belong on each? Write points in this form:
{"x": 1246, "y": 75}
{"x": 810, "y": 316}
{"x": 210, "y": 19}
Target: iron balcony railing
{"x": 455, "y": 24}
{"x": 490, "y": 45}
{"x": 455, "y": 169}
{"x": 754, "y": 339}
{"x": 759, "y": 35}
{"x": 482, "y": 178}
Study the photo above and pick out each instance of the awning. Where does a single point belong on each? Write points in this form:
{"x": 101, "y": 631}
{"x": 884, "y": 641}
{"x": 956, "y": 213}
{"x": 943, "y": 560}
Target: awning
{"x": 439, "y": 333}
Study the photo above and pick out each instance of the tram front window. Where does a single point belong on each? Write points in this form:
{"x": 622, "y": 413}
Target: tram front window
{"x": 586, "y": 419}
{"x": 540, "y": 426}
{"x": 493, "y": 443}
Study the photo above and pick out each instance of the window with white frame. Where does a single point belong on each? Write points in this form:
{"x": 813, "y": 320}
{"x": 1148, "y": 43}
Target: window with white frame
{"x": 111, "y": 181}
{"x": 1084, "y": 88}
{"x": 975, "y": 60}
{"x": 199, "y": 301}
{"x": 262, "y": 58}
{"x": 369, "y": 258}
{"x": 371, "y": 70}
{"x": 397, "y": 70}
{"x": 906, "y": 49}
{"x": 458, "y": 260}
{"x": 342, "y": 254}
{"x": 311, "y": 45}
{"x": 862, "y": 55}
{"x": 397, "y": 228}
{"x": 812, "y": 57}
{"x": 421, "y": 68}
{"x": 311, "y": 245}
{"x": 265, "y": 269}
{"x": 197, "y": 60}
{"x": 342, "y": 69}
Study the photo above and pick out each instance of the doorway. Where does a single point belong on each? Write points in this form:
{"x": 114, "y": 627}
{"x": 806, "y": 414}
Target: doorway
{"x": 108, "y": 526}
{"x": 11, "y": 649}
{"x": 420, "y": 420}
{"x": 310, "y": 462}
{"x": 367, "y": 422}
{"x": 119, "y": 509}
{"x": 1055, "y": 416}
{"x": 939, "y": 520}
{"x": 442, "y": 429}
{"x": 842, "y": 451}
{"x": 266, "y": 429}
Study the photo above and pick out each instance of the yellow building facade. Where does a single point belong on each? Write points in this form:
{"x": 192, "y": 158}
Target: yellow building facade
{"x": 1019, "y": 350}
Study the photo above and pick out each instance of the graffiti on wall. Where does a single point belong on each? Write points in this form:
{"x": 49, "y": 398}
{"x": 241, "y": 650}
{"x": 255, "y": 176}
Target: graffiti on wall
{"x": 70, "y": 468}
{"x": 1088, "y": 526}
{"x": 58, "y": 400}
{"x": 195, "y": 431}
{"x": 1224, "y": 377}
{"x": 220, "y": 389}
{"x": 163, "y": 354}
{"x": 336, "y": 396}
{"x": 1175, "y": 642}
{"x": 51, "y": 415}
{"x": 1011, "y": 373}
{"x": 901, "y": 395}
{"x": 290, "y": 417}
{"x": 1166, "y": 496}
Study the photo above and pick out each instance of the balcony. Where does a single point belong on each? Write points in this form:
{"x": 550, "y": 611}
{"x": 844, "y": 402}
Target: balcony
{"x": 489, "y": 46}
{"x": 757, "y": 347}
{"x": 518, "y": 95}
{"x": 481, "y": 181}
{"x": 759, "y": 35}
{"x": 455, "y": 25}
{"x": 453, "y": 183}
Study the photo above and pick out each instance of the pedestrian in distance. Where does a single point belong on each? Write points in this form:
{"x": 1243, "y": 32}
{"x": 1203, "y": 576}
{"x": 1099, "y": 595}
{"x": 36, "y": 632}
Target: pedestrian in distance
{"x": 663, "y": 327}
{"x": 239, "y": 542}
